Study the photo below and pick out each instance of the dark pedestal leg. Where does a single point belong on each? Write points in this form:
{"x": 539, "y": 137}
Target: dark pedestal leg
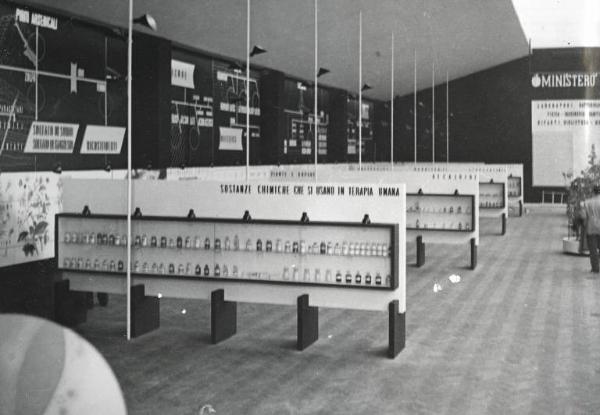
{"x": 520, "y": 208}
{"x": 503, "y": 223}
{"x": 145, "y": 311}
{"x": 89, "y": 299}
{"x": 223, "y": 317}
{"x": 102, "y": 299}
{"x": 397, "y": 330}
{"x": 308, "y": 323}
{"x": 473, "y": 254}
{"x": 420, "y": 251}
{"x": 70, "y": 307}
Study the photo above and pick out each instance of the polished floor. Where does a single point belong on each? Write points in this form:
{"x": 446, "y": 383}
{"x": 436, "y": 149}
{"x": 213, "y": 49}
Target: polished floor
{"x": 518, "y": 335}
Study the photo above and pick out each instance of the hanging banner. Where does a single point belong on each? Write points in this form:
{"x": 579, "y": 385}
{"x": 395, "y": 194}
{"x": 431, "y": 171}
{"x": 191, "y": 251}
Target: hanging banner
{"x": 230, "y": 139}
{"x": 182, "y": 74}
{"x": 101, "y": 139}
{"x": 51, "y": 137}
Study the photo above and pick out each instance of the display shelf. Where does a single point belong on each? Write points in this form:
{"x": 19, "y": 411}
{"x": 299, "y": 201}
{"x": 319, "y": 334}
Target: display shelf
{"x": 440, "y": 212}
{"x": 491, "y": 195}
{"x": 351, "y": 255}
{"x": 514, "y": 187}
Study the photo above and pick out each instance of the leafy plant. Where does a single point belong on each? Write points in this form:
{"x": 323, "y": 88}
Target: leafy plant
{"x": 581, "y": 188}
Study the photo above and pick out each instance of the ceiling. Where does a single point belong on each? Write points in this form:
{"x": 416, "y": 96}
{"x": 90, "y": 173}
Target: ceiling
{"x": 460, "y": 36}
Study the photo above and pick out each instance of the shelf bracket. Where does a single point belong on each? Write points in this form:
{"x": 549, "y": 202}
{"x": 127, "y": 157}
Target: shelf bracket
{"x": 223, "y": 317}
{"x": 308, "y": 323}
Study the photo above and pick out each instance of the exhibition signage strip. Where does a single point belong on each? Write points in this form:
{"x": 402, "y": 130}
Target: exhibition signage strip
{"x": 100, "y": 139}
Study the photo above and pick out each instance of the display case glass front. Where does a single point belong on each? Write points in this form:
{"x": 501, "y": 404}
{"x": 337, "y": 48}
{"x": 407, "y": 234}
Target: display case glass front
{"x": 491, "y": 195}
{"x": 514, "y": 186}
{"x": 316, "y": 253}
{"x": 440, "y": 212}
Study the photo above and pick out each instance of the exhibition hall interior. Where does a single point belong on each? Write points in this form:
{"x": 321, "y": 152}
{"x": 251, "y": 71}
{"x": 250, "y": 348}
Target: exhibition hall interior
{"x": 299, "y": 207}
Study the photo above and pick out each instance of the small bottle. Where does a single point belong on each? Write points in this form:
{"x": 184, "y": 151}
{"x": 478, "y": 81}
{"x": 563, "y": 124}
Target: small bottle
{"x": 377, "y": 279}
{"x": 206, "y": 270}
{"x": 197, "y": 242}
{"x": 269, "y": 245}
{"x": 171, "y": 243}
{"x": 352, "y": 249}
{"x": 328, "y": 275}
{"x": 96, "y": 263}
{"x": 363, "y": 248}
{"x": 104, "y": 239}
{"x": 136, "y": 266}
{"x": 317, "y": 275}
{"x": 92, "y": 238}
{"x": 279, "y": 246}
{"x": 348, "y": 277}
{"x": 385, "y": 250}
{"x": 217, "y": 270}
{"x": 227, "y": 243}
{"x": 124, "y": 240}
{"x": 338, "y": 276}
{"x": 112, "y": 266}
{"x": 234, "y": 271}
{"x": 163, "y": 242}
{"x": 225, "y": 271}
{"x": 75, "y": 238}
{"x": 207, "y": 243}
{"x": 249, "y": 245}
{"x": 258, "y": 245}
{"x": 85, "y": 239}
{"x": 145, "y": 267}
{"x": 329, "y": 248}
{"x": 418, "y": 224}
{"x": 153, "y": 241}
{"x": 198, "y": 270}
{"x": 188, "y": 268}
{"x": 99, "y": 238}
{"x": 179, "y": 242}
{"x": 388, "y": 280}
{"x": 358, "y": 278}
{"x": 217, "y": 244}
{"x": 67, "y": 238}
{"x": 104, "y": 264}
{"x": 374, "y": 249}
{"x": 302, "y": 247}
{"x": 154, "y": 268}
{"x": 236, "y": 243}
{"x": 288, "y": 246}
{"x": 337, "y": 249}
{"x": 88, "y": 264}
{"x": 180, "y": 269}
{"x": 161, "y": 268}
{"x": 286, "y": 274}
{"x": 137, "y": 240}
{"x": 306, "y": 274}
{"x": 171, "y": 268}
{"x": 295, "y": 247}
{"x": 315, "y": 248}
{"x": 323, "y": 248}
{"x": 144, "y": 240}
{"x": 188, "y": 242}
{"x": 368, "y": 278}
{"x": 345, "y": 250}
{"x": 296, "y": 274}
{"x": 66, "y": 263}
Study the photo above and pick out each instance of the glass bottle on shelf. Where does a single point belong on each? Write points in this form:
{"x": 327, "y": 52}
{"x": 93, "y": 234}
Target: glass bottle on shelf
{"x": 96, "y": 263}
{"x": 88, "y": 264}
{"x": 288, "y": 246}
{"x": 217, "y": 270}
{"x": 206, "y": 270}
{"x": 123, "y": 239}
{"x": 171, "y": 268}
{"x": 323, "y": 248}
{"x": 112, "y": 266}
{"x": 338, "y": 276}
{"x": 111, "y": 240}
{"x": 249, "y": 245}
{"x": 352, "y": 249}
{"x": 171, "y": 243}
{"x": 328, "y": 275}
{"x": 92, "y": 238}
{"x": 163, "y": 242}
{"x": 137, "y": 240}
{"x": 418, "y": 224}
{"x": 225, "y": 271}
{"x": 368, "y": 278}
{"x": 296, "y": 274}
{"x": 198, "y": 270}
{"x": 236, "y": 243}
{"x": 295, "y": 247}
{"x": 197, "y": 242}
{"x": 259, "y": 245}
{"x": 286, "y": 274}
{"x": 388, "y": 280}
{"x": 337, "y": 249}
{"x": 306, "y": 274}
{"x": 180, "y": 269}
{"x": 348, "y": 277}
{"x": 161, "y": 268}
{"x": 358, "y": 278}
{"x": 85, "y": 238}
{"x": 345, "y": 250}
{"x": 378, "y": 279}
{"x": 315, "y": 248}
{"x": 227, "y": 243}
{"x": 235, "y": 271}
{"x": 329, "y": 248}
{"x": 153, "y": 241}
{"x": 188, "y": 268}
{"x": 66, "y": 263}
{"x": 278, "y": 246}
{"x": 302, "y": 247}
{"x": 269, "y": 245}
{"x": 187, "y": 243}
{"x": 217, "y": 244}
{"x": 67, "y": 238}
{"x": 317, "y": 275}
{"x": 207, "y": 243}
{"x": 154, "y": 268}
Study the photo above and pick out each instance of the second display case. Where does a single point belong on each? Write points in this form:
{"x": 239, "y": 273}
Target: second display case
{"x": 440, "y": 212}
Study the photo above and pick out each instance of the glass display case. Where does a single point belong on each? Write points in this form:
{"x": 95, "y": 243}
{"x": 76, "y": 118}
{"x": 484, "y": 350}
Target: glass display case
{"x": 514, "y": 187}
{"x": 439, "y": 212}
{"x": 491, "y": 195}
{"x": 286, "y": 252}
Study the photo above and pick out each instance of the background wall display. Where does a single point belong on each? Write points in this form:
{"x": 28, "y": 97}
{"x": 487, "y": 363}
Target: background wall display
{"x": 369, "y": 149}
{"x": 62, "y": 82}
{"x": 565, "y": 133}
{"x": 28, "y": 203}
{"x": 299, "y": 121}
